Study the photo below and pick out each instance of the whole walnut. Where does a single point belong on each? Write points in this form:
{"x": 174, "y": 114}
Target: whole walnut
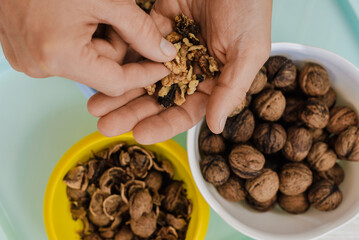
{"x": 269, "y": 104}
{"x": 240, "y": 127}
{"x": 334, "y": 174}
{"x": 325, "y": 196}
{"x": 340, "y": 119}
{"x": 294, "y": 204}
{"x": 246, "y": 161}
{"x": 294, "y": 178}
{"x": 314, "y": 80}
{"x": 269, "y": 137}
{"x": 347, "y": 144}
{"x": 281, "y": 71}
{"x": 215, "y": 169}
{"x": 261, "y": 206}
{"x": 259, "y": 82}
{"x": 321, "y": 157}
{"x": 298, "y": 144}
{"x": 245, "y": 103}
{"x": 263, "y": 187}
{"x": 232, "y": 190}
{"x": 210, "y": 143}
{"x": 319, "y": 134}
{"x": 329, "y": 98}
{"x": 292, "y": 109}
{"x": 315, "y": 114}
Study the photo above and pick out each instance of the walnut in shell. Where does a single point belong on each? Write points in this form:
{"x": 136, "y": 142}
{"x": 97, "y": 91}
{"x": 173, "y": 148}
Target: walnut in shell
{"x": 325, "y": 196}
{"x": 269, "y": 104}
{"x": 240, "y": 127}
{"x": 261, "y": 206}
{"x": 259, "y": 82}
{"x": 315, "y": 114}
{"x": 292, "y": 109}
{"x": 335, "y": 174}
{"x": 347, "y": 144}
{"x": 319, "y": 134}
{"x": 263, "y": 187}
{"x": 215, "y": 169}
{"x": 232, "y": 190}
{"x": 210, "y": 143}
{"x": 329, "y": 98}
{"x": 245, "y": 103}
{"x": 294, "y": 178}
{"x": 298, "y": 144}
{"x": 295, "y": 204}
{"x": 314, "y": 80}
{"x": 341, "y": 118}
{"x": 321, "y": 157}
{"x": 281, "y": 71}
{"x": 269, "y": 137}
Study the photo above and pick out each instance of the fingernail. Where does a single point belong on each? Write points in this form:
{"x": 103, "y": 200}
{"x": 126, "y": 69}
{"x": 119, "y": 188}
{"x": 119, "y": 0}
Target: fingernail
{"x": 167, "y": 48}
{"x": 222, "y": 123}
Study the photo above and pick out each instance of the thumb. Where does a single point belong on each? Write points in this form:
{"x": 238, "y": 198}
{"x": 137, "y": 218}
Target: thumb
{"x": 138, "y": 30}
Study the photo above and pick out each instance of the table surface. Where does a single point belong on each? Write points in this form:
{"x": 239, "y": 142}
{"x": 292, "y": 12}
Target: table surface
{"x": 42, "y": 118}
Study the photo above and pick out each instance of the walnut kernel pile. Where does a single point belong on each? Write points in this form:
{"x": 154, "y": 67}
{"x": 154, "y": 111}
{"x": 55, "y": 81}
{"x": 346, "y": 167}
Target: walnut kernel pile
{"x": 126, "y": 193}
{"x": 282, "y": 146}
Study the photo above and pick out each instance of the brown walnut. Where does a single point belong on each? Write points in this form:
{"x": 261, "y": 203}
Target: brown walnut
{"x": 292, "y": 109}
{"x": 298, "y": 144}
{"x": 281, "y": 71}
{"x": 240, "y": 127}
{"x": 269, "y": 104}
{"x": 215, "y": 169}
{"x": 246, "y": 161}
{"x": 325, "y": 196}
{"x": 321, "y": 157}
{"x": 245, "y": 103}
{"x": 329, "y": 98}
{"x": 347, "y": 144}
{"x": 263, "y": 187}
{"x": 294, "y": 178}
{"x": 261, "y": 206}
{"x": 315, "y": 114}
{"x": 334, "y": 174}
{"x": 319, "y": 134}
{"x": 340, "y": 119}
{"x": 210, "y": 143}
{"x": 269, "y": 137}
{"x": 259, "y": 82}
{"x": 232, "y": 190}
{"x": 314, "y": 80}
{"x": 294, "y": 204}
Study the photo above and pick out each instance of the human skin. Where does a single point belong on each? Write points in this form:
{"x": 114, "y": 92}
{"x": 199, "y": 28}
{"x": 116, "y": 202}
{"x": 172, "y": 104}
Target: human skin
{"x": 237, "y": 34}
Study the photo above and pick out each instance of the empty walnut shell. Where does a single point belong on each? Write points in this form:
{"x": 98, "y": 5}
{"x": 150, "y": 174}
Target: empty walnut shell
{"x": 315, "y": 114}
{"x": 259, "y": 82}
{"x": 172, "y": 196}
{"x": 240, "y": 127}
{"x": 96, "y": 213}
{"x": 329, "y": 98}
{"x": 215, "y": 169}
{"x": 246, "y": 161}
{"x": 325, "y": 196}
{"x": 334, "y": 174}
{"x": 294, "y": 204}
{"x": 347, "y": 144}
{"x": 292, "y": 109}
{"x": 269, "y": 104}
{"x": 114, "y": 206}
{"x": 210, "y": 143}
{"x": 321, "y": 157}
{"x": 314, "y": 80}
{"x": 319, "y": 134}
{"x": 144, "y": 226}
{"x": 233, "y": 189}
{"x": 294, "y": 178}
{"x": 140, "y": 203}
{"x": 269, "y": 137}
{"x": 298, "y": 144}
{"x": 261, "y": 206}
{"x": 76, "y": 178}
{"x": 340, "y": 119}
{"x": 124, "y": 234}
{"x": 281, "y": 71}
{"x": 263, "y": 187}
{"x": 154, "y": 180}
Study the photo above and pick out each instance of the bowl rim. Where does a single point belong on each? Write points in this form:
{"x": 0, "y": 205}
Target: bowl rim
{"x": 171, "y": 146}
{"x": 214, "y": 204}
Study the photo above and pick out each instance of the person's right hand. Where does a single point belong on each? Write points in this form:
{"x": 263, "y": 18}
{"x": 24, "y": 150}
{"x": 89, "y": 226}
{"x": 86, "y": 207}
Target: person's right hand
{"x": 55, "y": 38}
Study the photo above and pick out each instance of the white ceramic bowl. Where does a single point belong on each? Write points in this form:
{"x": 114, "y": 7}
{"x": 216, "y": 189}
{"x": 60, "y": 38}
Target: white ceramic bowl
{"x": 277, "y": 224}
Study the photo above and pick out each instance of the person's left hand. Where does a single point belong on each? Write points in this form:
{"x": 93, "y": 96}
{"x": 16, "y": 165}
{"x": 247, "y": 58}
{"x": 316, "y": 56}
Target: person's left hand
{"x": 237, "y": 33}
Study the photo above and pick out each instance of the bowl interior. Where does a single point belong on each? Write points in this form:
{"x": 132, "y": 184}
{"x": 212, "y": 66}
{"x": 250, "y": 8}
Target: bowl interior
{"x": 58, "y": 221}
{"x": 278, "y": 224}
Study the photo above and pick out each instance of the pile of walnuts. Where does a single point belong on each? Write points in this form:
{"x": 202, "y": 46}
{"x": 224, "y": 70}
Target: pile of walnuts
{"x": 282, "y": 143}
{"x": 125, "y": 193}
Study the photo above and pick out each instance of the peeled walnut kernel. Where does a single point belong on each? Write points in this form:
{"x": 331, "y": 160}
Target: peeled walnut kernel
{"x": 281, "y": 71}
{"x": 294, "y": 178}
{"x": 240, "y": 127}
{"x": 215, "y": 170}
{"x": 259, "y": 82}
{"x": 329, "y": 98}
{"x": 347, "y": 144}
{"x": 340, "y": 119}
{"x": 325, "y": 196}
{"x": 269, "y": 137}
{"x": 314, "y": 80}
{"x": 261, "y": 206}
{"x": 210, "y": 143}
{"x": 298, "y": 144}
{"x": 294, "y": 204}
{"x": 269, "y": 104}
{"x": 315, "y": 114}
{"x": 232, "y": 190}
{"x": 321, "y": 157}
{"x": 263, "y": 187}
{"x": 334, "y": 174}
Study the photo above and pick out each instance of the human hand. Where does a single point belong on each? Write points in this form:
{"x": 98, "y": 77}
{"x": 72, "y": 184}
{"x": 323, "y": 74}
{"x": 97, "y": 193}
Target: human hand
{"x": 237, "y": 34}
{"x": 47, "y": 38}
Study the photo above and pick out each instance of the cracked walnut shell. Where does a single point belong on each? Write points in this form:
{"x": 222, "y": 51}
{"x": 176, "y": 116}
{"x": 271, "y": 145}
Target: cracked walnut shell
{"x": 347, "y": 144}
{"x": 240, "y": 127}
{"x": 298, "y": 144}
{"x": 294, "y": 178}
{"x": 269, "y": 104}
{"x": 269, "y": 137}
{"x": 341, "y": 118}
{"x": 314, "y": 80}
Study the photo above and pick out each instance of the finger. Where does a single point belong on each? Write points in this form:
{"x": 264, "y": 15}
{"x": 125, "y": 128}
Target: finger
{"x": 233, "y": 84}
{"x": 138, "y": 30}
{"x": 9, "y": 53}
{"x": 172, "y": 121}
{"x": 124, "y": 119}
{"x": 100, "y": 104}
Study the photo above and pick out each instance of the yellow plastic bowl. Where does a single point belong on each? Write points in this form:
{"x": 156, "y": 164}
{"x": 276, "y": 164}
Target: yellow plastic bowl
{"x": 57, "y": 217}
